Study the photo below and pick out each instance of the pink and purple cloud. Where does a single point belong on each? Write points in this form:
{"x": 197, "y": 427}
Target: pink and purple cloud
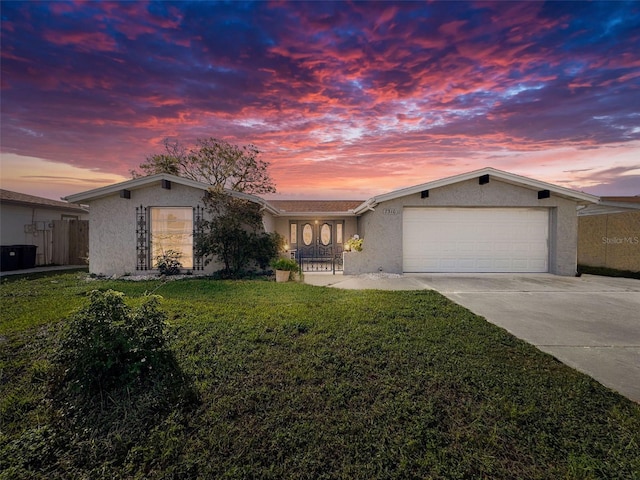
{"x": 344, "y": 99}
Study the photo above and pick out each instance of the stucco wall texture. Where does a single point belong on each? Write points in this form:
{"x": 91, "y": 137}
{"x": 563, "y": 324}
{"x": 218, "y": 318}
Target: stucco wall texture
{"x": 610, "y": 240}
{"x": 385, "y": 223}
{"x": 112, "y": 236}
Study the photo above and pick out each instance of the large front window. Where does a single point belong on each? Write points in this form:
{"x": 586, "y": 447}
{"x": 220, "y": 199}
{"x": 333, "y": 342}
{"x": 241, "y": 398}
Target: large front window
{"x": 172, "y": 229}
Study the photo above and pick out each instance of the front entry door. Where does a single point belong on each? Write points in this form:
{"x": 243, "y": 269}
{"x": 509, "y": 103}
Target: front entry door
{"x": 316, "y": 239}
{"x": 319, "y": 244}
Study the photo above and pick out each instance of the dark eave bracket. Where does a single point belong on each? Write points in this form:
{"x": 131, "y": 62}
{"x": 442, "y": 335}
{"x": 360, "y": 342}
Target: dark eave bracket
{"x": 543, "y": 194}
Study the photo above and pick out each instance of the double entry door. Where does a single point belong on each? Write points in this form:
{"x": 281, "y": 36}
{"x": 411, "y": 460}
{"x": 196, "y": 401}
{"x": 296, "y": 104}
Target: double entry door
{"x": 319, "y": 239}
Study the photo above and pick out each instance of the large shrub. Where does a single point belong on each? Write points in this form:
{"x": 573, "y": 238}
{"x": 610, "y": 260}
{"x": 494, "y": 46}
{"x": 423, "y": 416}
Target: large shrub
{"x": 116, "y": 389}
{"x": 235, "y": 235}
{"x": 110, "y": 344}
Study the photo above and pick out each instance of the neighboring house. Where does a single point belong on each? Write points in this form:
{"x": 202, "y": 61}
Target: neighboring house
{"x": 609, "y": 234}
{"x": 483, "y": 221}
{"x": 31, "y": 220}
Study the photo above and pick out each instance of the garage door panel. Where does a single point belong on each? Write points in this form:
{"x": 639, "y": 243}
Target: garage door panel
{"x": 475, "y": 239}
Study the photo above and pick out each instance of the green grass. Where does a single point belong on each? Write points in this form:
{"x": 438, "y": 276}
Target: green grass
{"x": 295, "y": 381}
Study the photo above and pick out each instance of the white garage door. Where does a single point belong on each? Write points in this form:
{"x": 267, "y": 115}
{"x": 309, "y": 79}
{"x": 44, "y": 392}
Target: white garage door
{"x": 475, "y": 240}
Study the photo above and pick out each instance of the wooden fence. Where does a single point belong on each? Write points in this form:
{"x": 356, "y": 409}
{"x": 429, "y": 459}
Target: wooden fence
{"x": 70, "y": 242}
{"x": 610, "y": 240}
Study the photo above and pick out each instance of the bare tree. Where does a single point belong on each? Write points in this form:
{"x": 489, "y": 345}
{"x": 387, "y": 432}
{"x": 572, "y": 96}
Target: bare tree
{"x": 213, "y": 161}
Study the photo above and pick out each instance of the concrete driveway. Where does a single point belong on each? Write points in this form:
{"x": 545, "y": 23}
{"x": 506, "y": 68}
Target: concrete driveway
{"x": 590, "y": 323}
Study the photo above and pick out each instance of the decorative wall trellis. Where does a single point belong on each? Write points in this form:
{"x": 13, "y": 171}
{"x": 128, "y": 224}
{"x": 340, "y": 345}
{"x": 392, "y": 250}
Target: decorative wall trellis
{"x": 198, "y": 261}
{"x": 142, "y": 239}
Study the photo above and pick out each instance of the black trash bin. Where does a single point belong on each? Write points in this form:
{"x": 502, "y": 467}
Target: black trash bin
{"x": 26, "y": 255}
{"x": 10, "y": 258}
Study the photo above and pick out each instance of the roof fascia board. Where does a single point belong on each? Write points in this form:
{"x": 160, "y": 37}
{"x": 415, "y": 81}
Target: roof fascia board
{"x": 499, "y": 174}
{"x": 252, "y": 198}
{"x": 592, "y": 210}
{"x": 537, "y": 184}
{"x": 368, "y": 205}
{"x": 624, "y": 205}
{"x": 315, "y": 214}
{"x": 70, "y": 208}
{"x": 131, "y": 185}
{"x": 143, "y": 181}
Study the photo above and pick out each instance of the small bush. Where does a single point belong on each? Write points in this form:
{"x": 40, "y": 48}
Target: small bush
{"x": 108, "y": 344}
{"x": 168, "y": 263}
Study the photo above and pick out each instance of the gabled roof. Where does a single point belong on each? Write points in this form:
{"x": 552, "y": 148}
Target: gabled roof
{"x": 142, "y": 182}
{"x": 338, "y": 207}
{"x": 16, "y": 198}
{"x": 311, "y": 207}
{"x": 492, "y": 172}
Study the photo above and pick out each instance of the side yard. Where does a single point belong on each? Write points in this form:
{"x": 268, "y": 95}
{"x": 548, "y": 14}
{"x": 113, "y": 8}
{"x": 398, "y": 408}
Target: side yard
{"x": 295, "y": 381}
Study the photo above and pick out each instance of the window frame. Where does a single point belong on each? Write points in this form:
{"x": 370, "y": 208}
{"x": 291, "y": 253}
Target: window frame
{"x": 187, "y": 258}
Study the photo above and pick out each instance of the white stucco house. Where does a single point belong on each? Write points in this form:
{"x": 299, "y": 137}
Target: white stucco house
{"x": 487, "y": 220}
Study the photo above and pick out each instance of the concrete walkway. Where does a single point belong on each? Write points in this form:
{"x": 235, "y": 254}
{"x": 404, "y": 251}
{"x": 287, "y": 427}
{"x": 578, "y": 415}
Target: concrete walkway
{"x": 590, "y": 323}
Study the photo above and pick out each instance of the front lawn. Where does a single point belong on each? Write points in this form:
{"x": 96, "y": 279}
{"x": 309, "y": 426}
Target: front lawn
{"x": 294, "y": 381}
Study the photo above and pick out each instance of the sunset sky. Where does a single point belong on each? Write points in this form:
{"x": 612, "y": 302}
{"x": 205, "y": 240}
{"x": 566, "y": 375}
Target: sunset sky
{"x": 344, "y": 99}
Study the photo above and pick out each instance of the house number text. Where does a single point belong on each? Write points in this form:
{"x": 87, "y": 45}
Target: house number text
{"x": 390, "y": 211}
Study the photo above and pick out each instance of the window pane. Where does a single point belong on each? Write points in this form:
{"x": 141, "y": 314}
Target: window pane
{"x": 339, "y": 232}
{"x": 172, "y": 229}
{"x": 325, "y": 234}
{"x": 307, "y": 234}
{"x": 294, "y": 234}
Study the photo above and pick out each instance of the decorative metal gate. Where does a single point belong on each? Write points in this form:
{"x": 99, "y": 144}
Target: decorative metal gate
{"x": 330, "y": 263}
{"x": 319, "y": 246}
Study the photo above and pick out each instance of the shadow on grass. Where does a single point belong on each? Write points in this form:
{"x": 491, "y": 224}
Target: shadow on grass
{"x": 124, "y": 428}
{"x": 13, "y": 277}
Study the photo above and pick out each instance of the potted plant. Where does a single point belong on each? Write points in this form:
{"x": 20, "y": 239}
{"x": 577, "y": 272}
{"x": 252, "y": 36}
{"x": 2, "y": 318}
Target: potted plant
{"x": 354, "y": 244}
{"x": 283, "y": 268}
